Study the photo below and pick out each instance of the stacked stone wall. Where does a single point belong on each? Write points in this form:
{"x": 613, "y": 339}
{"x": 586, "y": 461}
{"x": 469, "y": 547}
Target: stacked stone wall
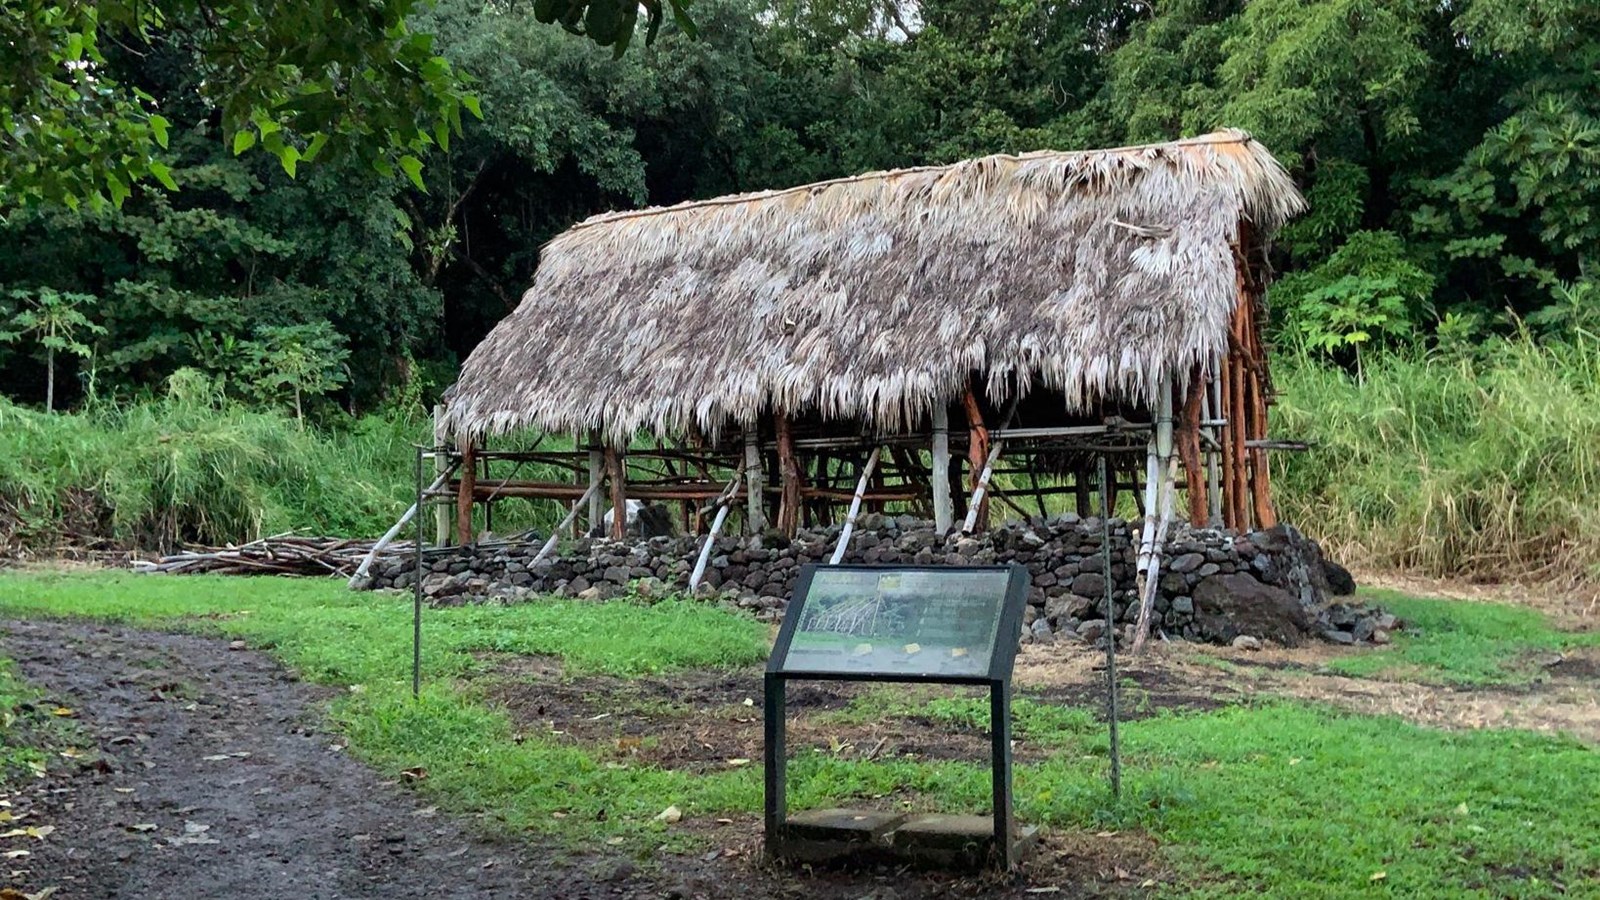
{"x": 1215, "y": 586}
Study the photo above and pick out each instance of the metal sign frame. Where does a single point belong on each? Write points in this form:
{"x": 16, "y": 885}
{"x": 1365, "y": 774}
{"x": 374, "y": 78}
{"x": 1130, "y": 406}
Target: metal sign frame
{"x": 1002, "y": 659}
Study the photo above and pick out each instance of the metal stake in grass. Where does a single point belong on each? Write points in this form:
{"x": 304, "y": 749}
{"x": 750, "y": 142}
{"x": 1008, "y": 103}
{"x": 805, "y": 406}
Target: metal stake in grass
{"x": 1111, "y": 631}
{"x": 416, "y": 593}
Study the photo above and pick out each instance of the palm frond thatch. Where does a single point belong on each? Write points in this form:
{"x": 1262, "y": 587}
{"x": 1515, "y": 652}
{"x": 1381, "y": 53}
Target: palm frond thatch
{"x": 1091, "y": 273}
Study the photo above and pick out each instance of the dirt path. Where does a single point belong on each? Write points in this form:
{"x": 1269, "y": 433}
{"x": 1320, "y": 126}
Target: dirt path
{"x": 224, "y": 754}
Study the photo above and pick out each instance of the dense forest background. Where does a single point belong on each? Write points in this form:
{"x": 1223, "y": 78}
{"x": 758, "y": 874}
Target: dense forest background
{"x": 1434, "y": 319}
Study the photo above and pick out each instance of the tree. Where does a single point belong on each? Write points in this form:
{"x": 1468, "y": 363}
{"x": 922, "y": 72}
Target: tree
{"x": 295, "y": 361}
{"x": 55, "y": 320}
{"x": 348, "y": 77}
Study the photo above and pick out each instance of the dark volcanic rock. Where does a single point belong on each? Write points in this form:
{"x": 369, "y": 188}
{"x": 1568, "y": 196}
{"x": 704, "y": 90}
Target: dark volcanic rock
{"x": 1231, "y": 605}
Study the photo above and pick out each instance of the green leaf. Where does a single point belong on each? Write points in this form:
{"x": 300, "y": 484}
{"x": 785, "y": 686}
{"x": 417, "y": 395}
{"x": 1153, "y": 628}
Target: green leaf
{"x": 243, "y": 140}
{"x": 163, "y": 174}
{"x": 159, "y": 126}
{"x": 413, "y": 168}
{"x": 318, "y": 141}
{"x": 288, "y": 157}
{"x": 471, "y": 103}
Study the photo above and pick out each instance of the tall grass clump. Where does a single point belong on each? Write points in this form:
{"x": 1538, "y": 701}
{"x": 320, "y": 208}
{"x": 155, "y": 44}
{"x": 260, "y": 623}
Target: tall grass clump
{"x": 1484, "y": 465}
{"x": 187, "y": 468}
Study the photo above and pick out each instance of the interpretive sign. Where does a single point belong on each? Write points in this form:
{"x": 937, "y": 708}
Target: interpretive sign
{"x": 942, "y": 624}
{"x": 896, "y": 622}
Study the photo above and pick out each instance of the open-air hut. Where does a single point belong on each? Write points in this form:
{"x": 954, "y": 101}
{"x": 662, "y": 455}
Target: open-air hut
{"x": 933, "y": 340}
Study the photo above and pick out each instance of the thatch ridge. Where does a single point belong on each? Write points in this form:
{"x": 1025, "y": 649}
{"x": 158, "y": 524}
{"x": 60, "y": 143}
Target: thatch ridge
{"x": 871, "y": 297}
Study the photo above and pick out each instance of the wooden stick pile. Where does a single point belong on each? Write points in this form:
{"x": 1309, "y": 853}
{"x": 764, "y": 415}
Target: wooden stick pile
{"x": 281, "y": 554}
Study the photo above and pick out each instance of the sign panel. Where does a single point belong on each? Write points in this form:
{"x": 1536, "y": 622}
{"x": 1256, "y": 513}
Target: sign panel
{"x": 902, "y": 621}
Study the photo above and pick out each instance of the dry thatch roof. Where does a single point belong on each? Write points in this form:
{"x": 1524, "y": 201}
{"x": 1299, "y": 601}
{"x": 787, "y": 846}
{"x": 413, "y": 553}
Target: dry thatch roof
{"x": 872, "y": 297}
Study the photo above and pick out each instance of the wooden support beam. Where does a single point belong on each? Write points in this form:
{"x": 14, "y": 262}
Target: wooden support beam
{"x": 977, "y": 461}
{"x": 755, "y": 515}
{"x": 943, "y": 517}
{"x": 1189, "y": 447}
{"x": 789, "y": 479}
{"x": 597, "y": 474}
{"x": 618, "y": 476}
{"x": 464, "y": 495}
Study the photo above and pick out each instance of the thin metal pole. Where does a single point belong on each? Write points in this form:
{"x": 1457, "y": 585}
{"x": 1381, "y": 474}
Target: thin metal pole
{"x": 416, "y": 594}
{"x": 1111, "y": 632}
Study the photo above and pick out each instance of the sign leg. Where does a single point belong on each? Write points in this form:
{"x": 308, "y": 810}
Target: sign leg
{"x": 777, "y": 806}
{"x": 1000, "y": 730}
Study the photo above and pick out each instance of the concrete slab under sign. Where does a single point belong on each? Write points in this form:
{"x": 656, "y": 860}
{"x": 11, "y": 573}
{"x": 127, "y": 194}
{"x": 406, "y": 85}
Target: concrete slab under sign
{"x": 857, "y": 835}
{"x": 820, "y": 835}
{"x": 954, "y": 841}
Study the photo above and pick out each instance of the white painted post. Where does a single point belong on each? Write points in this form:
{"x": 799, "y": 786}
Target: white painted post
{"x": 943, "y": 509}
{"x": 597, "y": 468}
{"x": 723, "y": 502}
{"x": 572, "y": 514}
{"x": 983, "y": 486}
{"x": 855, "y": 507}
{"x": 441, "y": 511}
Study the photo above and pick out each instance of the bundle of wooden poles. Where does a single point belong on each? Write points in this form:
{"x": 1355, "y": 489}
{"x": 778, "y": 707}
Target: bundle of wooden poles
{"x": 280, "y": 554}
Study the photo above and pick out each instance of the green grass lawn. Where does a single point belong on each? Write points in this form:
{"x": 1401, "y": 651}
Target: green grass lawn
{"x": 1459, "y": 642}
{"x": 1279, "y": 798}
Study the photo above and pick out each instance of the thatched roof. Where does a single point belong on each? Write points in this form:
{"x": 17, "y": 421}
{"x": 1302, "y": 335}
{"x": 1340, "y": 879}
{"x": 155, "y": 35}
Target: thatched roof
{"x": 873, "y": 297}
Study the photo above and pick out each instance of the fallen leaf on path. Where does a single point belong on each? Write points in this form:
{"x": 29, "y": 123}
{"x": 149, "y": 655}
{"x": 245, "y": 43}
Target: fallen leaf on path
{"x": 63, "y": 711}
{"x": 143, "y": 826}
{"x": 669, "y": 815}
{"x": 14, "y": 894}
{"x": 217, "y": 757}
{"x": 614, "y": 841}
{"x": 36, "y": 831}
{"x": 738, "y": 761}
{"x": 16, "y": 854}
{"x": 72, "y": 753}
{"x": 1378, "y": 876}
{"x": 1052, "y": 889}
{"x": 123, "y": 790}
{"x": 415, "y": 773}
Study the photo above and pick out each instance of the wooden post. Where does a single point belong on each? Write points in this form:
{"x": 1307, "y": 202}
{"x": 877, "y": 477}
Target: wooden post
{"x": 855, "y": 507}
{"x": 943, "y": 516}
{"x": 1213, "y": 411}
{"x": 755, "y": 515}
{"x": 977, "y": 456}
{"x": 1189, "y": 447}
{"x": 1157, "y": 452}
{"x": 789, "y": 479}
{"x": 469, "y": 481}
{"x": 1238, "y": 435}
{"x": 619, "y": 493}
{"x": 597, "y": 468}
{"x": 441, "y": 464}
{"x": 1260, "y": 478}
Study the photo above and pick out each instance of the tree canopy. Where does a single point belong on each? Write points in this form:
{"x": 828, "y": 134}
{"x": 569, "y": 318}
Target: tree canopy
{"x": 1450, "y": 152}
